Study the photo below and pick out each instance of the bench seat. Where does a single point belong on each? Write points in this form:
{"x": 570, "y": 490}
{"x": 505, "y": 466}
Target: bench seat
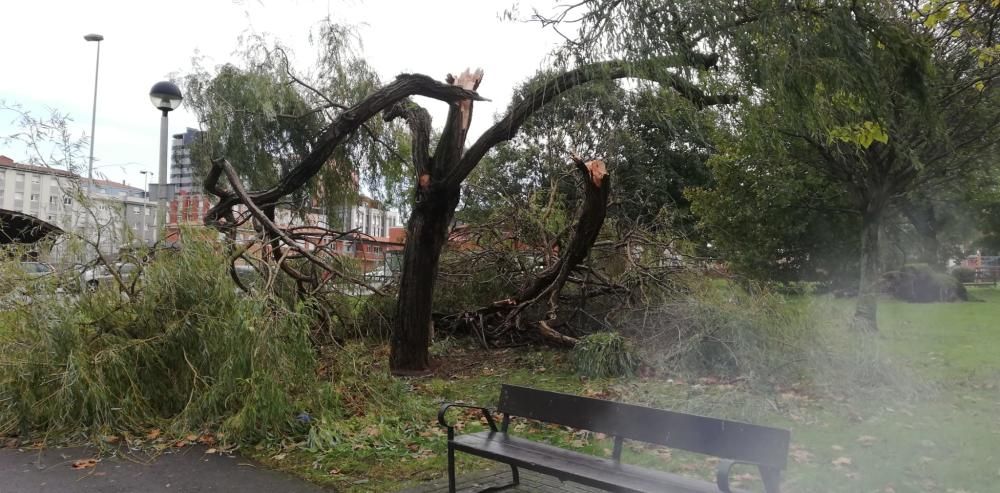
{"x": 731, "y": 442}
{"x": 585, "y": 469}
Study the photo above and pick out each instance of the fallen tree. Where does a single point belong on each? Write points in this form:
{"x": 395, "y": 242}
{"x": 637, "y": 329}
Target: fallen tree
{"x": 439, "y": 178}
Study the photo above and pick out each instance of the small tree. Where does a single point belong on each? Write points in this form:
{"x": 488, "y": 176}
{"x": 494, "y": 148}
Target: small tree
{"x": 885, "y": 99}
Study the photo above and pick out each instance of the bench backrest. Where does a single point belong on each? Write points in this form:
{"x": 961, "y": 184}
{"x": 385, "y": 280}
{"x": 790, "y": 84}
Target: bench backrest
{"x": 716, "y": 437}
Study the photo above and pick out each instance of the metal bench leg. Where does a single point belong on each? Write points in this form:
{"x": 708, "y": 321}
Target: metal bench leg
{"x": 771, "y": 478}
{"x": 451, "y": 469}
{"x": 514, "y": 473}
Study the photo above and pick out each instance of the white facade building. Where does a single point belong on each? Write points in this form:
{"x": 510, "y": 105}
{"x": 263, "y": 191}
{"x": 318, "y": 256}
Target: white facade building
{"x": 111, "y": 215}
{"x": 367, "y": 217}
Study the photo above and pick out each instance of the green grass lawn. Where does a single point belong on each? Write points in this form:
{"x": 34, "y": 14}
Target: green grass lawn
{"x": 938, "y": 431}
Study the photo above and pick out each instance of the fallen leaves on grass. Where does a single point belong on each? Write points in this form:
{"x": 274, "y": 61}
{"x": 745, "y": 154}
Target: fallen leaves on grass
{"x": 867, "y": 440}
{"x": 665, "y": 454}
{"x": 739, "y": 479}
{"x": 84, "y": 464}
{"x": 841, "y": 462}
{"x": 801, "y": 455}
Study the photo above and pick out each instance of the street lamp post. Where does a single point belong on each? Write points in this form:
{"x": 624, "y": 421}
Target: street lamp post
{"x": 166, "y": 97}
{"x": 145, "y": 202}
{"x": 93, "y": 114}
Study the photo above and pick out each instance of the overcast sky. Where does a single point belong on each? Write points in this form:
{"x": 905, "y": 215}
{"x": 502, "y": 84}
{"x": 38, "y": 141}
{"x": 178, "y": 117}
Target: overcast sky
{"x": 46, "y": 63}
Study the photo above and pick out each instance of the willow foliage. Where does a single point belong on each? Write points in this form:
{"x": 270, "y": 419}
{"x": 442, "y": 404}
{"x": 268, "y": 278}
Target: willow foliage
{"x": 264, "y": 117}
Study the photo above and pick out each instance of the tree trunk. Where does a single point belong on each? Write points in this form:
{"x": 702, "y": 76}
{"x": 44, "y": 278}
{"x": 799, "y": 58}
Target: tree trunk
{"x": 866, "y": 312}
{"x": 925, "y": 221}
{"x": 426, "y": 235}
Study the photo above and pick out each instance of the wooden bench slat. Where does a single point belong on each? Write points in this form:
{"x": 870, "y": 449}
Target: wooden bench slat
{"x": 580, "y": 468}
{"x": 710, "y": 436}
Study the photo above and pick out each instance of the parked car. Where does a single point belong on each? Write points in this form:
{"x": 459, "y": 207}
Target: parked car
{"x": 248, "y": 276}
{"x": 95, "y": 276}
{"x": 24, "y": 283}
{"x": 35, "y": 270}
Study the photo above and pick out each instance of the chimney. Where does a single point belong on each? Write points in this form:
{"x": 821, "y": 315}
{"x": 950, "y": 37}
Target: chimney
{"x": 5, "y": 160}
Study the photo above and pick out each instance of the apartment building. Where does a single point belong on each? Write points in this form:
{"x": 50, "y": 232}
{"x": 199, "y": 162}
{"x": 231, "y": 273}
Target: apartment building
{"x": 182, "y": 174}
{"x": 110, "y": 214}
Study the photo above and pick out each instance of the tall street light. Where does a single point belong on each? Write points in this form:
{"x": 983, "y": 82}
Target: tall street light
{"x": 166, "y": 97}
{"x": 93, "y": 114}
{"x": 145, "y": 203}
{"x": 145, "y": 180}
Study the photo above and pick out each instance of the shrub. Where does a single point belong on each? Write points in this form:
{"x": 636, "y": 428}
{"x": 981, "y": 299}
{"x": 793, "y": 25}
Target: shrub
{"x": 919, "y": 283}
{"x": 185, "y": 351}
{"x": 722, "y": 329}
{"x": 964, "y": 274}
{"x": 604, "y": 354}
{"x": 752, "y": 335}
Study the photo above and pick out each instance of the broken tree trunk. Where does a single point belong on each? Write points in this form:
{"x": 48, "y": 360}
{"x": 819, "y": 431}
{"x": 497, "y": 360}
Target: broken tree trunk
{"x": 596, "y": 186}
{"x": 427, "y": 229}
{"x": 589, "y": 220}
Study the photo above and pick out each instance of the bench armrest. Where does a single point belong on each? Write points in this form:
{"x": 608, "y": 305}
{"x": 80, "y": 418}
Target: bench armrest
{"x": 769, "y": 475}
{"x": 451, "y": 430}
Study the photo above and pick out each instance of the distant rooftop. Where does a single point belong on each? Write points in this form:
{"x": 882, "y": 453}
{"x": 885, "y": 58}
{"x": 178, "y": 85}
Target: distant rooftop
{"x": 8, "y": 163}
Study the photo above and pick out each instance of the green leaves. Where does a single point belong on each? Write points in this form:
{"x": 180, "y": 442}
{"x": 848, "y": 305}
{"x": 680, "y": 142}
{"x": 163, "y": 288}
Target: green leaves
{"x": 863, "y": 134}
{"x": 264, "y": 117}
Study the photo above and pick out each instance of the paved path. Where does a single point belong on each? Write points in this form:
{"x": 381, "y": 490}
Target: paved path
{"x": 190, "y": 470}
{"x": 185, "y": 470}
{"x": 530, "y": 482}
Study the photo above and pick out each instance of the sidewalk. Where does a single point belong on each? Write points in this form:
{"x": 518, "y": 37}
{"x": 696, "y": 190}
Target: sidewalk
{"x": 186, "y": 470}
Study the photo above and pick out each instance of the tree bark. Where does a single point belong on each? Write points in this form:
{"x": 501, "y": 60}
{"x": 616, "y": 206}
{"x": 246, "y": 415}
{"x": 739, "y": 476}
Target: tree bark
{"x": 925, "y": 221}
{"x": 427, "y": 229}
{"x": 427, "y": 232}
{"x": 866, "y": 311}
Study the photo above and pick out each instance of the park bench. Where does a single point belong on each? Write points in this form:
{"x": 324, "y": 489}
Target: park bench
{"x": 732, "y": 442}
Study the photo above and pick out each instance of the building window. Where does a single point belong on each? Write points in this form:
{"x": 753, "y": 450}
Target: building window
{"x": 34, "y": 197}
{"x": 18, "y": 195}
{"x": 36, "y": 179}
{"x": 19, "y": 178}
{"x": 52, "y": 200}
{"x": 67, "y": 200}
{"x": 137, "y": 211}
